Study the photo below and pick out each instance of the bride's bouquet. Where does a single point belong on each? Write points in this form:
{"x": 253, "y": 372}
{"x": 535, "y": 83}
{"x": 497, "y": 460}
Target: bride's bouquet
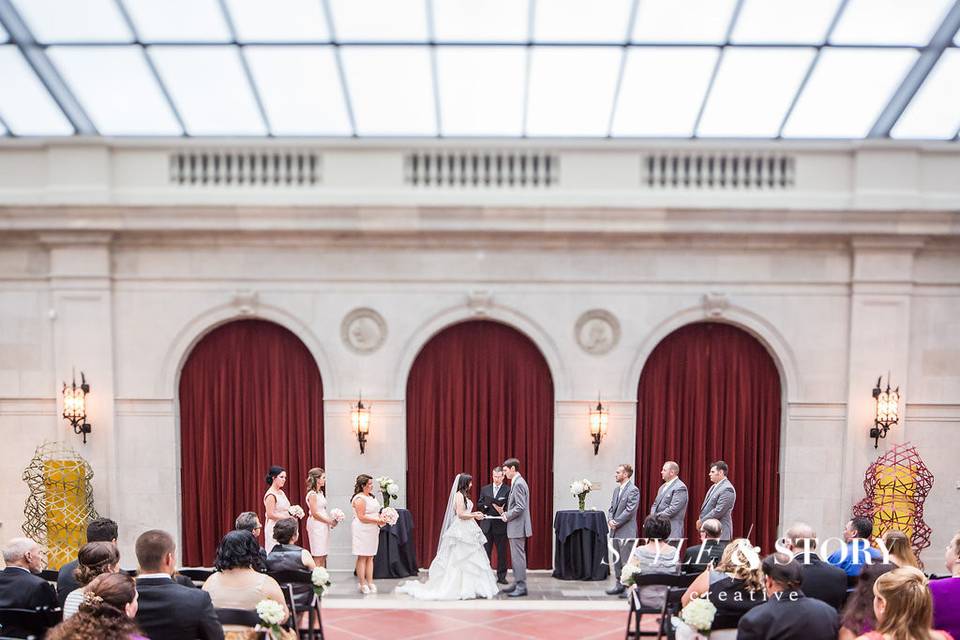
{"x": 321, "y": 580}
{"x": 338, "y": 515}
{"x": 389, "y": 489}
{"x": 296, "y": 511}
{"x": 580, "y": 488}
{"x": 390, "y": 515}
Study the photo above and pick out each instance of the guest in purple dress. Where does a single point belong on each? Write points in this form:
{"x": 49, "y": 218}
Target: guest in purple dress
{"x": 946, "y": 592}
{"x": 106, "y": 613}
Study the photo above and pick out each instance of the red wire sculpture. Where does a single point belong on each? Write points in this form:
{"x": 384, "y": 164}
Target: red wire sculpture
{"x": 897, "y": 484}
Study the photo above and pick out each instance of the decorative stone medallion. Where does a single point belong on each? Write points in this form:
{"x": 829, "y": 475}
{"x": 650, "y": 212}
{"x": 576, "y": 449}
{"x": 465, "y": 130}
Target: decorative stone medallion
{"x": 597, "y": 331}
{"x": 363, "y": 330}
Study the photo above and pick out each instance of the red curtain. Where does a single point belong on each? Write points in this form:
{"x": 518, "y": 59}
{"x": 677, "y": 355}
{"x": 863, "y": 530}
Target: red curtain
{"x": 250, "y": 397}
{"x": 711, "y": 391}
{"x": 478, "y": 393}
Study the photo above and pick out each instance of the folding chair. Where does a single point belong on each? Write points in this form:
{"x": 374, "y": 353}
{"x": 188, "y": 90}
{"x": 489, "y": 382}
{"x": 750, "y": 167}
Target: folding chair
{"x": 287, "y": 579}
{"x": 198, "y": 575}
{"x": 239, "y": 617}
{"x": 34, "y": 621}
{"x": 637, "y": 610}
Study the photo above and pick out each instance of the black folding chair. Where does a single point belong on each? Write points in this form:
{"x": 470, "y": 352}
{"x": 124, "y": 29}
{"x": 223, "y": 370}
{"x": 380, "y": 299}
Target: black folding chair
{"x": 695, "y": 569}
{"x": 198, "y": 575}
{"x": 50, "y": 575}
{"x": 637, "y": 610}
{"x": 34, "y": 621}
{"x": 287, "y": 580}
{"x": 671, "y": 607}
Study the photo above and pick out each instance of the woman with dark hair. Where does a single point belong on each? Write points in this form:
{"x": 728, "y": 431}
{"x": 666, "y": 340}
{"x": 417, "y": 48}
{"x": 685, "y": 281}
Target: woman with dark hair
{"x": 366, "y": 531}
{"x": 461, "y": 569}
{"x": 276, "y": 503}
{"x": 287, "y": 556}
{"x": 106, "y": 612}
{"x": 94, "y": 558}
{"x": 858, "y": 616}
{"x": 319, "y": 522}
{"x": 239, "y": 582}
{"x": 655, "y": 556}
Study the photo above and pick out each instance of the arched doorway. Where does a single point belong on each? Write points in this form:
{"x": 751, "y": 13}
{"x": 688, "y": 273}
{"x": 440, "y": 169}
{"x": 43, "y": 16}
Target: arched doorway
{"x": 250, "y": 397}
{"x": 711, "y": 391}
{"x": 479, "y": 392}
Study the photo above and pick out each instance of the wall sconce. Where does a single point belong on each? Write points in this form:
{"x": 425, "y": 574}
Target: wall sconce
{"x": 75, "y": 405}
{"x": 887, "y": 411}
{"x": 360, "y": 419}
{"x": 599, "y": 418}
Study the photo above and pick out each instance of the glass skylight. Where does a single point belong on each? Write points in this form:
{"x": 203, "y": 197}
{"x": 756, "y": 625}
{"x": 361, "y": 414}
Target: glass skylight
{"x": 935, "y": 111}
{"x": 481, "y": 20}
{"x": 25, "y": 105}
{"x": 663, "y": 21}
{"x": 481, "y": 90}
{"x": 784, "y": 21}
{"x": 385, "y": 20}
{"x": 905, "y": 22}
{"x": 178, "y": 20}
{"x": 578, "y": 21}
{"x": 74, "y": 21}
{"x": 279, "y": 20}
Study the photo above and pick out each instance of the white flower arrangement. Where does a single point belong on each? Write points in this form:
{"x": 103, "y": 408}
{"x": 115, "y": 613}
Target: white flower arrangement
{"x": 389, "y": 489}
{"x": 580, "y": 489}
{"x": 320, "y": 578}
{"x": 390, "y": 515}
{"x": 629, "y": 573}
{"x": 699, "y": 614}
{"x": 338, "y": 515}
{"x": 296, "y": 511}
{"x": 271, "y": 613}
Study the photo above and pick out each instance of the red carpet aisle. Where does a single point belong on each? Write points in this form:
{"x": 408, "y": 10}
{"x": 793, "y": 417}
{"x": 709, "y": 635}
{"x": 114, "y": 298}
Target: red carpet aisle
{"x": 354, "y": 624}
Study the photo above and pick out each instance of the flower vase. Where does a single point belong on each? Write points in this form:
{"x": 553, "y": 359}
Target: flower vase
{"x": 386, "y": 500}
{"x": 582, "y": 499}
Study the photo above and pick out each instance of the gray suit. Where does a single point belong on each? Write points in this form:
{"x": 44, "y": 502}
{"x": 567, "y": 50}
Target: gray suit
{"x": 518, "y": 528}
{"x": 624, "y": 504}
{"x": 671, "y": 503}
{"x": 718, "y": 503}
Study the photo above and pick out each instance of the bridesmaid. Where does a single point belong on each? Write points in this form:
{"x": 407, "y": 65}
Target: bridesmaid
{"x": 319, "y": 521}
{"x": 276, "y": 502}
{"x": 366, "y": 530}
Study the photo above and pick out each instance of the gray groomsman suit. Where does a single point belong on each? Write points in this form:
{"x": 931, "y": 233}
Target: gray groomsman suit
{"x": 518, "y": 528}
{"x": 718, "y": 503}
{"x": 624, "y": 504}
{"x": 671, "y": 503}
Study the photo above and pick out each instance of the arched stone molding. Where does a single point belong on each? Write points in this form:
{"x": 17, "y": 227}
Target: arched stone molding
{"x": 755, "y": 325}
{"x": 194, "y": 331}
{"x": 510, "y": 317}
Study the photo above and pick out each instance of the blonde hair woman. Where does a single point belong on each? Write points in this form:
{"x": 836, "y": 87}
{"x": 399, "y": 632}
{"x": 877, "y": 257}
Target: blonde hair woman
{"x": 904, "y": 607}
{"x": 319, "y": 522}
{"x": 901, "y": 553}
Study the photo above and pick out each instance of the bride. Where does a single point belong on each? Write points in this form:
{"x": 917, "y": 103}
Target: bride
{"x": 461, "y": 570}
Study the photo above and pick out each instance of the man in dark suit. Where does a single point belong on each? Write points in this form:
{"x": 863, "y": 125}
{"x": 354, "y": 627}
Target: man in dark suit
{"x": 20, "y": 587}
{"x": 711, "y": 546}
{"x": 492, "y": 502}
{"x": 99, "y": 530}
{"x": 170, "y": 611}
{"x": 787, "y": 614}
{"x": 821, "y": 580}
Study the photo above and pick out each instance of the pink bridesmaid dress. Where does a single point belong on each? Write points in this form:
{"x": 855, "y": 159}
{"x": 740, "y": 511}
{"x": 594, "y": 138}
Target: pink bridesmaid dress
{"x": 283, "y": 505}
{"x": 318, "y": 532}
{"x": 366, "y": 536}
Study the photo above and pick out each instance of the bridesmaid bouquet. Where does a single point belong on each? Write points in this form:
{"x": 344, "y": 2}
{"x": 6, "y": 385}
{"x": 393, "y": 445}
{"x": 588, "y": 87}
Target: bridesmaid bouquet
{"x": 629, "y": 574}
{"x": 337, "y": 515}
{"x": 390, "y": 515}
{"x": 321, "y": 580}
{"x": 389, "y": 489}
{"x": 296, "y": 511}
{"x": 271, "y": 614}
{"x": 699, "y": 614}
{"x": 580, "y": 488}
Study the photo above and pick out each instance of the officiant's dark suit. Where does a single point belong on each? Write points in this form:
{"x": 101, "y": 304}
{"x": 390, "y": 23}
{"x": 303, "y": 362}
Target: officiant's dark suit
{"x": 495, "y": 530}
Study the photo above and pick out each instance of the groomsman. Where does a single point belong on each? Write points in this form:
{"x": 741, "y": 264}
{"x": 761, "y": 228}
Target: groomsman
{"x": 671, "y": 500}
{"x": 492, "y": 502}
{"x": 720, "y": 499}
{"x": 623, "y": 521}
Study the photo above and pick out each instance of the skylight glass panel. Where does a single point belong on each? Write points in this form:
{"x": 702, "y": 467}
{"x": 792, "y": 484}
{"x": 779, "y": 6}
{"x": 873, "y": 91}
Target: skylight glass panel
{"x": 74, "y": 20}
{"x": 210, "y": 89}
{"x": 847, "y": 91}
{"x": 387, "y": 20}
{"x": 571, "y": 90}
{"x": 178, "y": 20}
{"x": 753, "y": 90}
{"x": 117, "y": 89}
{"x": 391, "y": 90}
{"x": 652, "y": 102}
{"x": 279, "y": 20}
{"x": 935, "y": 110}
{"x": 481, "y": 90}
{"x": 905, "y": 22}
{"x": 579, "y": 21}
{"x": 784, "y": 21}
{"x": 25, "y": 105}
{"x": 481, "y": 20}
{"x": 3, "y": 34}
{"x": 300, "y": 89}
{"x": 697, "y": 21}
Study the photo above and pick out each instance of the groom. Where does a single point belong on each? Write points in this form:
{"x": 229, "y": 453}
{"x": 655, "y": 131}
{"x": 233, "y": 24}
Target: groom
{"x": 517, "y": 517}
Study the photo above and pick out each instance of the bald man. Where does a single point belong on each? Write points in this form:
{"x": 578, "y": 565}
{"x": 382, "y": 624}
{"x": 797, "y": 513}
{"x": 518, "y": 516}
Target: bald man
{"x": 671, "y": 500}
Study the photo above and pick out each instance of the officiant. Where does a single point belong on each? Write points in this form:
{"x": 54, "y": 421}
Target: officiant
{"x": 493, "y": 502}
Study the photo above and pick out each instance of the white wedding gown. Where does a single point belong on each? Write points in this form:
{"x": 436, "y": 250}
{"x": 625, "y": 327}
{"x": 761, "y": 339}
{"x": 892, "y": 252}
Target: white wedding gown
{"x": 461, "y": 570}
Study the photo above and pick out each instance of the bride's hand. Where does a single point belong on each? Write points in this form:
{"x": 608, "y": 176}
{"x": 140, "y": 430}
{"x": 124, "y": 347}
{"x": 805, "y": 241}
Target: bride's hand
{"x": 478, "y": 515}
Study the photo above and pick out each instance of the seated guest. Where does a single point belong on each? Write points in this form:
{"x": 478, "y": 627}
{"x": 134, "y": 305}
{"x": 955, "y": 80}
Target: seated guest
{"x": 857, "y": 551}
{"x": 20, "y": 587}
{"x": 287, "y": 556}
{"x": 858, "y": 616}
{"x": 901, "y": 553}
{"x": 239, "y": 582}
{"x": 734, "y": 587}
{"x": 655, "y": 556}
{"x": 787, "y": 614}
{"x": 821, "y": 580}
{"x": 106, "y": 611}
{"x": 99, "y": 530}
{"x": 904, "y": 607}
{"x": 711, "y": 546}
{"x": 170, "y": 611}
{"x": 248, "y": 521}
{"x": 946, "y": 592}
{"x": 94, "y": 558}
